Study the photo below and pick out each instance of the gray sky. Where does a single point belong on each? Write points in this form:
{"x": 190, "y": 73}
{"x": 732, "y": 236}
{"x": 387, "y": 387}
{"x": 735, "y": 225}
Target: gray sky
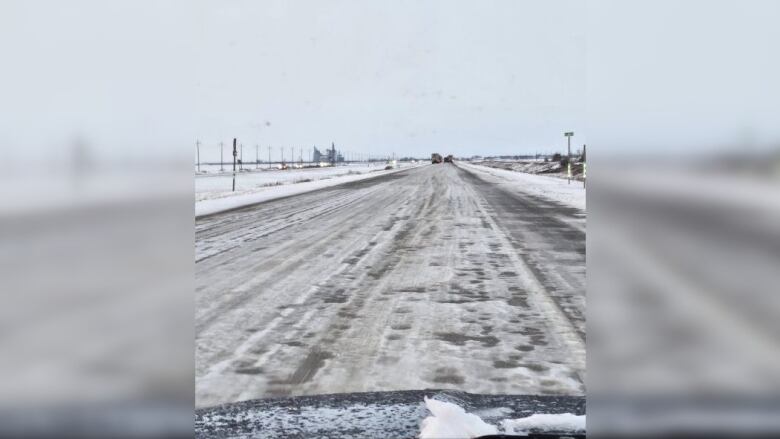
{"x": 410, "y": 77}
{"x": 405, "y": 76}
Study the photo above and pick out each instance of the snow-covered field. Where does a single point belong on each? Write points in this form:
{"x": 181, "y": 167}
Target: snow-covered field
{"x": 215, "y": 169}
{"x": 213, "y": 192}
{"x": 529, "y": 166}
{"x": 217, "y": 184}
{"x": 551, "y": 188}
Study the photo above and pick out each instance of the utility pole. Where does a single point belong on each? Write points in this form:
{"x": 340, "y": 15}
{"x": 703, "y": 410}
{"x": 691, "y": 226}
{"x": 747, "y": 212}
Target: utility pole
{"x": 234, "y": 164}
{"x": 257, "y": 156}
{"x": 197, "y": 147}
{"x": 568, "y": 162}
{"x": 221, "y": 158}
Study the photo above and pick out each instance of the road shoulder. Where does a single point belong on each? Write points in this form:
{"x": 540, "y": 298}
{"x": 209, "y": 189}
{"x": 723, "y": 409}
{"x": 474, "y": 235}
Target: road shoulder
{"x": 553, "y": 189}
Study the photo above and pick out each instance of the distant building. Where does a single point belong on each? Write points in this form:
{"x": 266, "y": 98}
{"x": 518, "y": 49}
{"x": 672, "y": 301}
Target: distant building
{"x": 317, "y": 155}
{"x": 330, "y": 156}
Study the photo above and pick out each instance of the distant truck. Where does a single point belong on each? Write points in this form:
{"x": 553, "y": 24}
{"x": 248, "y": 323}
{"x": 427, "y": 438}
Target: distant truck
{"x": 435, "y": 158}
{"x": 448, "y": 159}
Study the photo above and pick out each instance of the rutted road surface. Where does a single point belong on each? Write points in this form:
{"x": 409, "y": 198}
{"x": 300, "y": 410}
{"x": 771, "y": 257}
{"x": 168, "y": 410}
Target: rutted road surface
{"x": 427, "y": 278}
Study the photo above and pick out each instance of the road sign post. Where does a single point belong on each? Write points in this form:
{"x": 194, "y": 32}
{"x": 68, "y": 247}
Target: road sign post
{"x": 568, "y": 161}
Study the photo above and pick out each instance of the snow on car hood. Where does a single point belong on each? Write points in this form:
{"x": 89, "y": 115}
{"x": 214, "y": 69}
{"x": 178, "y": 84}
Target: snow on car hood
{"x": 372, "y": 415}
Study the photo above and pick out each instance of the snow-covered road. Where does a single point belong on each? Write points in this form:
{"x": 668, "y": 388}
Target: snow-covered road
{"x": 435, "y": 277}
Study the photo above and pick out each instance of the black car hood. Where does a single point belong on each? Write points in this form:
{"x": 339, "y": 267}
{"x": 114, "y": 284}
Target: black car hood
{"x": 364, "y": 415}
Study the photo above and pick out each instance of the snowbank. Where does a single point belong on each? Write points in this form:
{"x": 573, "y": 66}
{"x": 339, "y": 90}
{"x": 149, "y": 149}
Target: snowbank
{"x": 527, "y": 166}
{"x": 451, "y": 421}
{"x": 268, "y": 193}
{"x": 545, "y": 422}
{"x": 219, "y": 184}
{"x": 552, "y": 188}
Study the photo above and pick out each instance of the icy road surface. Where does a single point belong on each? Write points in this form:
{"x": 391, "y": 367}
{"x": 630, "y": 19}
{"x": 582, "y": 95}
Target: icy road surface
{"x": 433, "y": 277}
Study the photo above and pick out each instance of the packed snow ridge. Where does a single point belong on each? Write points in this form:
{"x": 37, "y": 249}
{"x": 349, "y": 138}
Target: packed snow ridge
{"x": 449, "y": 420}
{"x": 556, "y": 189}
{"x": 214, "y": 195}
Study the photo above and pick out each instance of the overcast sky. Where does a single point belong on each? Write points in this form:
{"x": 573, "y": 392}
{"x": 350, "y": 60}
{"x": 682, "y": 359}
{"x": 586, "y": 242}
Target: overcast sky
{"x": 410, "y": 77}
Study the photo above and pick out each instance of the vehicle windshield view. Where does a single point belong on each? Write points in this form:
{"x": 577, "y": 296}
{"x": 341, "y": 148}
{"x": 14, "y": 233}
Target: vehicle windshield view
{"x": 346, "y": 286}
